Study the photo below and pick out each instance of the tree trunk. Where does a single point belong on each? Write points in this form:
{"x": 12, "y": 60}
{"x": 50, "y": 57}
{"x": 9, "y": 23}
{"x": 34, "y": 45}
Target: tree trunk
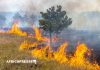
{"x": 50, "y": 39}
{"x": 50, "y": 32}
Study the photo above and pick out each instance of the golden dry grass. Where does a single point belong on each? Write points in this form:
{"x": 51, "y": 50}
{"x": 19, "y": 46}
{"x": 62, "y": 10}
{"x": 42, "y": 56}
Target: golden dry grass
{"x": 9, "y": 49}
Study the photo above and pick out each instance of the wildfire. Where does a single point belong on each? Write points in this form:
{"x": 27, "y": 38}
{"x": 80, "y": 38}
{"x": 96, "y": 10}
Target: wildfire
{"x": 79, "y": 55}
{"x": 45, "y": 52}
{"x": 60, "y": 54}
{"x": 40, "y": 53}
{"x": 26, "y": 45}
{"x": 80, "y": 58}
{"x": 16, "y": 30}
{"x": 38, "y": 34}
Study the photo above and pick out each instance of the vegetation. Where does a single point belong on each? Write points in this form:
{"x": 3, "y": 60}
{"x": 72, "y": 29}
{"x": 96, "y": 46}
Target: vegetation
{"x": 9, "y": 49}
{"x": 54, "y": 20}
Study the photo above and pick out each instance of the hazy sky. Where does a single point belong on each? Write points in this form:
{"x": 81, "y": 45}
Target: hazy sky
{"x": 73, "y": 6}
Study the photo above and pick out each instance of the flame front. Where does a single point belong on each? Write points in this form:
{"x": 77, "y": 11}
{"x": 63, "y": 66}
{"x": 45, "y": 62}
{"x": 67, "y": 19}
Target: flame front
{"x": 16, "y": 30}
{"x": 80, "y": 58}
{"x": 45, "y": 52}
{"x": 60, "y": 54}
{"x": 38, "y": 34}
{"x": 79, "y": 55}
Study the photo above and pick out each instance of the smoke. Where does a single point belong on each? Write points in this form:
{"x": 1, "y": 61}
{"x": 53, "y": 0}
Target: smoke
{"x": 81, "y": 20}
{"x": 69, "y": 5}
{"x": 40, "y": 5}
{"x": 74, "y": 7}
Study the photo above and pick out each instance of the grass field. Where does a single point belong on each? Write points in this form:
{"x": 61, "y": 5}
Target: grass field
{"x": 9, "y": 50}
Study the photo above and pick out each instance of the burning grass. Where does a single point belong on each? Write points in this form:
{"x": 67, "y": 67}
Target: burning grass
{"x": 45, "y": 52}
{"x": 10, "y": 50}
{"x": 39, "y": 47}
{"x": 16, "y": 30}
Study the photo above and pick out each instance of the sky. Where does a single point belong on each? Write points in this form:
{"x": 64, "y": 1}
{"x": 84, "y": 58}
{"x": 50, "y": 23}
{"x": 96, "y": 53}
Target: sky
{"x": 75, "y": 7}
{"x": 70, "y": 5}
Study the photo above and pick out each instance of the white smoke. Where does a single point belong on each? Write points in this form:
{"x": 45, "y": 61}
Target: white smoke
{"x": 75, "y": 7}
{"x": 38, "y": 5}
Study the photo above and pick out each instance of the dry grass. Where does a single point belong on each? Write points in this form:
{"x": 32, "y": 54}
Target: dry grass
{"x": 9, "y": 49}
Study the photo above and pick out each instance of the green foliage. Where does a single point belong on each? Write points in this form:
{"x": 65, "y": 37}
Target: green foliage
{"x": 54, "y": 20}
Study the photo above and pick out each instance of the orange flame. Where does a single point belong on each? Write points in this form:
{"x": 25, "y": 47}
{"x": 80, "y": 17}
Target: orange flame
{"x": 60, "y": 54}
{"x": 45, "y": 52}
{"x": 79, "y": 58}
{"x": 26, "y": 45}
{"x": 79, "y": 55}
{"x": 38, "y": 34}
{"x": 16, "y": 30}
{"x": 40, "y": 53}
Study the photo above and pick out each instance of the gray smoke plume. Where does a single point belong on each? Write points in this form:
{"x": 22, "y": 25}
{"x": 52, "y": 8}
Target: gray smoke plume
{"x": 76, "y": 10}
